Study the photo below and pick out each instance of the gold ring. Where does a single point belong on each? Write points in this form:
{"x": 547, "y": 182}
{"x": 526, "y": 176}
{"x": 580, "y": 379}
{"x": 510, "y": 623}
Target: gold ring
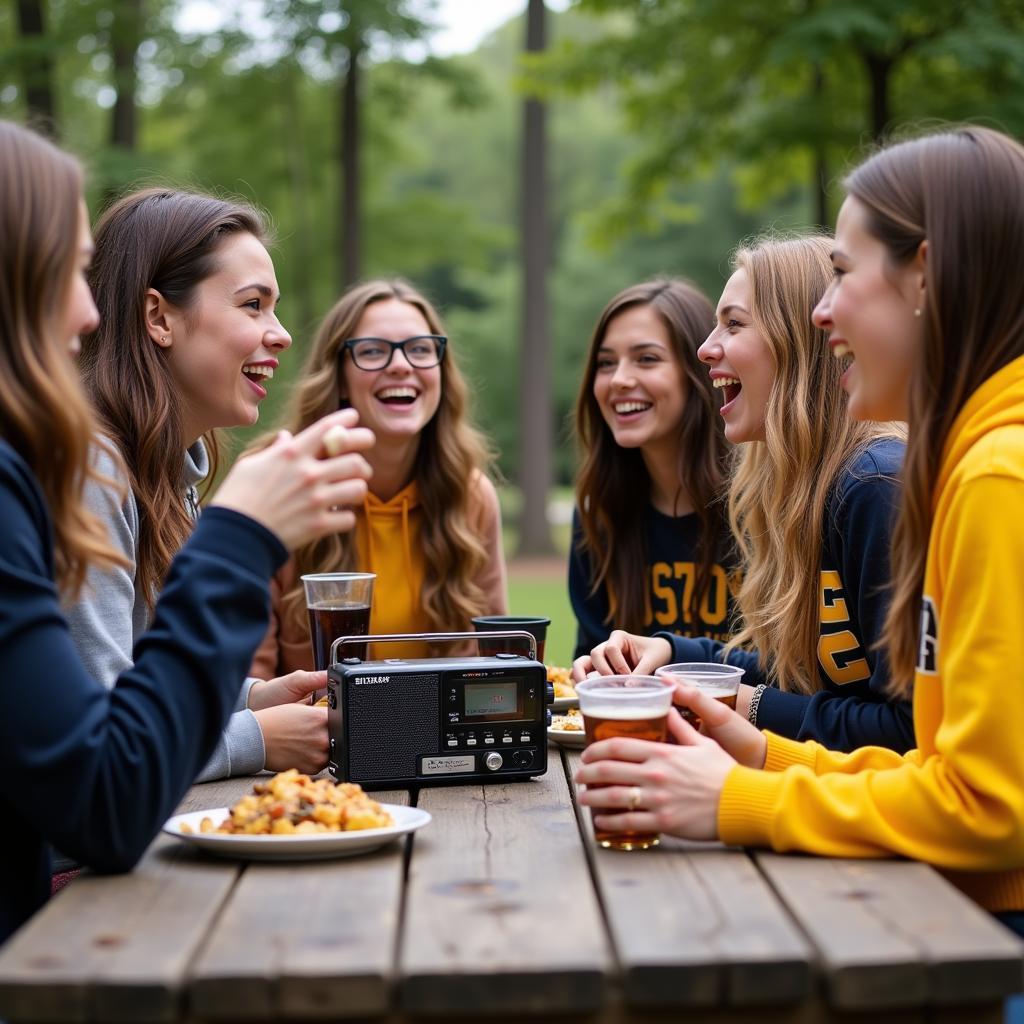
{"x": 634, "y": 798}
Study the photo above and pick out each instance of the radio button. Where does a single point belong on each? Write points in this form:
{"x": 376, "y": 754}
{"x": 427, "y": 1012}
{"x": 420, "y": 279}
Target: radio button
{"x": 471, "y": 741}
{"x": 506, "y": 739}
{"x": 453, "y": 743}
{"x": 525, "y": 738}
{"x": 489, "y": 740}
{"x": 493, "y": 761}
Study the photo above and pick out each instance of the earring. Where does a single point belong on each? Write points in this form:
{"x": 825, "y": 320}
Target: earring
{"x": 917, "y": 312}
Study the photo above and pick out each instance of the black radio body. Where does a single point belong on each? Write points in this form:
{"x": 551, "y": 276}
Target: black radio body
{"x": 402, "y": 722}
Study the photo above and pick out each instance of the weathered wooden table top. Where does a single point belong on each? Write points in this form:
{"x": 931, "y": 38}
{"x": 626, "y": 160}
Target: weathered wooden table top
{"x": 503, "y": 907}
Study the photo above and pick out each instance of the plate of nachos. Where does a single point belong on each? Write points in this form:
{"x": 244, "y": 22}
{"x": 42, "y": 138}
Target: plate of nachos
{"x": 567, "y": 729}
{"x": 293, "y": 817}
{"x": 565, "y": 692}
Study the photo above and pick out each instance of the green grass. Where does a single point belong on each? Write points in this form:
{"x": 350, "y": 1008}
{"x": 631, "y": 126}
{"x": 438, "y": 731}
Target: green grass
{"x": 544, "y": 594}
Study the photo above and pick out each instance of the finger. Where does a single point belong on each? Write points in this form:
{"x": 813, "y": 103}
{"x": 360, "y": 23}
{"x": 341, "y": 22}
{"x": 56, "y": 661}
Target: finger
{"x": 346, "y": 467}
{"x": 621, "y": 748}
{"x": 610, "y": 773}
{"x": 580, "y": 667}
{"x": 599, "y": 660}
{"x": 654, "y": 655}
{"x": 617, "y": 660}
{"x": 345, "y": 493}
{"x": 617, "y": 797}
{"x": 682, "y": 732}
{"x": 713, "y": 713}
{"x": 311, "y": 440}
{"x": 336, "y": 520}
{"x": 627, "y": 821}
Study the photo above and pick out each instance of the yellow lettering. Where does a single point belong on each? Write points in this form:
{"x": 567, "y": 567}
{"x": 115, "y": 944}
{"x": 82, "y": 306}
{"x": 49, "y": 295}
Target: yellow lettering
{"x": 839, "y": 669}
{"x": 833, "y": 606}
{"x": 668, "y": 614}
{"x": 713, "y": 604}
{"x": 685, "y": 572}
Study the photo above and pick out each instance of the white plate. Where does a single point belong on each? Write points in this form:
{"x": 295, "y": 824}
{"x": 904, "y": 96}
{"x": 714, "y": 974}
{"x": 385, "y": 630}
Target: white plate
{"x": 314, "y": 846}
{"x": 567, "y": 737}
{"x": 564, "y": 703}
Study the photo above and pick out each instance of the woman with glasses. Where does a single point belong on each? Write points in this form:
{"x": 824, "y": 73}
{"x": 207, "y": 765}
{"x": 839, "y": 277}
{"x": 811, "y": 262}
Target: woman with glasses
{"x": 188, "y": 341}
{"x": 430, "y": 527}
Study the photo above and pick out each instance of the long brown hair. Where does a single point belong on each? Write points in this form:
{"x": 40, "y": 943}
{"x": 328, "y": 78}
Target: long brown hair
{"x": 780, "y": 486}
{"x": 166, "y": 240}
{"x": 43, "y": 414}
{"x": 611, "y": 478}
{"x": 962, "y": 191}
{"x": 452, "y": 457}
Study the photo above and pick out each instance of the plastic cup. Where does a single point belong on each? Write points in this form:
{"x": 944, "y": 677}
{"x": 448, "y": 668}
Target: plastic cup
{"x": 713, "y": 680}
{"x": 632, "y": 706}
{"x": 339, "y": 605}
{"x": 535, "y": 625}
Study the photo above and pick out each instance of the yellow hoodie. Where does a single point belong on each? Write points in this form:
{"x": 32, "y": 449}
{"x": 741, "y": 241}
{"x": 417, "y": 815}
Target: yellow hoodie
{"x": 957, "y": 801}
{"x": 388, "y": 543}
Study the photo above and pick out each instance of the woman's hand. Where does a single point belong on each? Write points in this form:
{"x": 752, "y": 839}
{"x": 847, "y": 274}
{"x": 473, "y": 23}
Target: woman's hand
{"x": 296, "y": 493}
{"x": 743, "y": 742}
{"x": 294, "y": 736}
{"x": 657, "y": 787}
{"x": 622, "y": 654}
{"x": 293, "y": 688}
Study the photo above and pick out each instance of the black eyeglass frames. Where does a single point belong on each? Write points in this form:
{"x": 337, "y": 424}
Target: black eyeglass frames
{"x": 422, "y": 352}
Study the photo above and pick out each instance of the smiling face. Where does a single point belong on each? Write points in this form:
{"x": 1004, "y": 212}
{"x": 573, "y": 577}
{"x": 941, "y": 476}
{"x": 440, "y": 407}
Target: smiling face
{"x": 868, "y": 311}
{"x": 80, "y": 313}
{"x": 396, "y": 403}
{"x": 224, "y": 348}
{"x": 639, "y": 385}
{"x": 740, "y": 363}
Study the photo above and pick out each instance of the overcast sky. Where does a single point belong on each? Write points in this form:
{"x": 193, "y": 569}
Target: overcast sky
{"x": 463, "y": 22}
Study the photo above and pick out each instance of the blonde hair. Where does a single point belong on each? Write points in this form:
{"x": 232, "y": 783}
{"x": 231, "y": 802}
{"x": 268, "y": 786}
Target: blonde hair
{"x": 44, "y": 414}
{"x": 780, "y": 486}
{"x": 451, "y": 461}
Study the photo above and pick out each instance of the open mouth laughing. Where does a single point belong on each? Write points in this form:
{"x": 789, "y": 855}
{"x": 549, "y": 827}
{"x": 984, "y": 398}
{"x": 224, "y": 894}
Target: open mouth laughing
{"x": 632, "y": 407}
{"x": 730, "y": 385}
{"x": 258, "y": 374}
{"x": 397, "y": 396}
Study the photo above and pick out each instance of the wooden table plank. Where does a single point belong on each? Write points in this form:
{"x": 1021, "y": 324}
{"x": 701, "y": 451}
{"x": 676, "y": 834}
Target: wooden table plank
{"x": 115, "y": 948}
{"x": 696, "y": 925}
{"x": 895, "y": 933}
{"x": 305, "y": 940}
{"x": 501, "y": 916}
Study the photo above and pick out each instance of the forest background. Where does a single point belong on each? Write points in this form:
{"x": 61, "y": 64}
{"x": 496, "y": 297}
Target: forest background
{"x": 648, "y": 137}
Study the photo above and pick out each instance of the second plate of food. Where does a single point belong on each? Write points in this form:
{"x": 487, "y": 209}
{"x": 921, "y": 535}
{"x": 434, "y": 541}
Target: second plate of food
{"x": 567, "y": 729}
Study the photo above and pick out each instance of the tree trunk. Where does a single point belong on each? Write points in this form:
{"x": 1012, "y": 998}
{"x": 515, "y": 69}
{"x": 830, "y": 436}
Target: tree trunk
{"x": 125, "y": 36}
{"x": 295, "y": 142}
{"x": 350, "y": 227}
{"x": 819, "y": 186}
{"x": 535, "y": 438}
{"x": 879, "y": 75}
{"x": 37, "y": 69}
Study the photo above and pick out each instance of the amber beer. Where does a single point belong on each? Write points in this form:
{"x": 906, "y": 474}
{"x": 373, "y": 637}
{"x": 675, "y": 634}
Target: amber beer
{"x": 635, "y": 707}
{"x": 327, "y": 623}
{"x": 726, "y": 695}
{"x": 604, "y": 723}
{"x": 720, "y": 682}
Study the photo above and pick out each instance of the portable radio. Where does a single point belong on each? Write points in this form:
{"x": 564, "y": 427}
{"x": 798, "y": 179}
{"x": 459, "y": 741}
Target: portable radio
{"x": 404, "y": 722}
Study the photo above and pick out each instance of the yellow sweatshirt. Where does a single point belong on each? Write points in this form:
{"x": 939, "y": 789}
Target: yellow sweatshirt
{"x": 388, "y": 544}
{"x": 957, "y": 801}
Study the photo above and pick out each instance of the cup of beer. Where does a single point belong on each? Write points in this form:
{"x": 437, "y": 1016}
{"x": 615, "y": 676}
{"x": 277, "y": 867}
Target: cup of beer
{"x": 713, "y": 679}
{"x": 633, "y": 706}
{"x": 338, "y": 605}
{"x": 535, "y": 625}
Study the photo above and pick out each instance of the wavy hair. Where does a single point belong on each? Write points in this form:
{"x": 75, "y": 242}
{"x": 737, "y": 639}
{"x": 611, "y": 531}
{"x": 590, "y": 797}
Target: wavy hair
{"x": 610, "y": 478}
{"x": 44, "y": 415}
{"x": 452, "y": 456}
{"x": 166, "y": 240}
{"x": 962, "y": 190}
{"x": 809, "y": 441}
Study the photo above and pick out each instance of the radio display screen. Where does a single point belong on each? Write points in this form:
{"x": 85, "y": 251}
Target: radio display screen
{"x": 494, "y": 699}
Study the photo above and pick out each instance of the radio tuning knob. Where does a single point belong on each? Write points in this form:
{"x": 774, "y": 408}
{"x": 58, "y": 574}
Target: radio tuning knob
{"x": 493, "y": 760}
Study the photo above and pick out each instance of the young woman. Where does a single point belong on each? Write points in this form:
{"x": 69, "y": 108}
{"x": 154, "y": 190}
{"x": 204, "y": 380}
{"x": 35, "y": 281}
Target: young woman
{"x": 652, "y": 472}
{"x": 187, "y": 342}
{"x": 93, "y": 770}
{"x": 812, "y": 598}
{"x": 430, "y": 527}
{"x": 924, "y": 316}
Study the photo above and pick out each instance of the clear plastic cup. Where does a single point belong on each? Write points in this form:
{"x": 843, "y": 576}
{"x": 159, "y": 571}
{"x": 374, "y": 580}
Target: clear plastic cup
{"x": 713, "y": 679}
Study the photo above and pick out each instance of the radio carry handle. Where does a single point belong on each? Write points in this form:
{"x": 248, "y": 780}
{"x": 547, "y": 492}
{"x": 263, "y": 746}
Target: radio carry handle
{"x": 385, "y": 638}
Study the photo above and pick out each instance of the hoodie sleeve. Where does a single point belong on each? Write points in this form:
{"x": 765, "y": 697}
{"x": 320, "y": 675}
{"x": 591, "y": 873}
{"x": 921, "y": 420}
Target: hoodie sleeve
{"x": 590, "y": 608}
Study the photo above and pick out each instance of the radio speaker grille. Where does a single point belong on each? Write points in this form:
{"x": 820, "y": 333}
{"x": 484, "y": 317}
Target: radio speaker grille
{"x": 388, "y": 724}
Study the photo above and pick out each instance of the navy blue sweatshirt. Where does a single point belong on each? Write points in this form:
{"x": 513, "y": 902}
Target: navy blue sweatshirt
{"x": 96, "y": 772}
{"x": 671, "y": 572}
{"x": 852, "y": 709}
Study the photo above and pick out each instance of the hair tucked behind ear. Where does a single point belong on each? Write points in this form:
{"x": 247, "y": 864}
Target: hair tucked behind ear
{"x": 780, "y": 486}
{"x": 44, "y": 415}
{"x": 167, "y": 241}
{"x": 450, "y": 465}
{"x": 613, "y": 484}
{"x": 963, "y": 192}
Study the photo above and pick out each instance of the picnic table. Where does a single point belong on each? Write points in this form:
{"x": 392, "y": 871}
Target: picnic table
{"x": 502, "y": 908}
